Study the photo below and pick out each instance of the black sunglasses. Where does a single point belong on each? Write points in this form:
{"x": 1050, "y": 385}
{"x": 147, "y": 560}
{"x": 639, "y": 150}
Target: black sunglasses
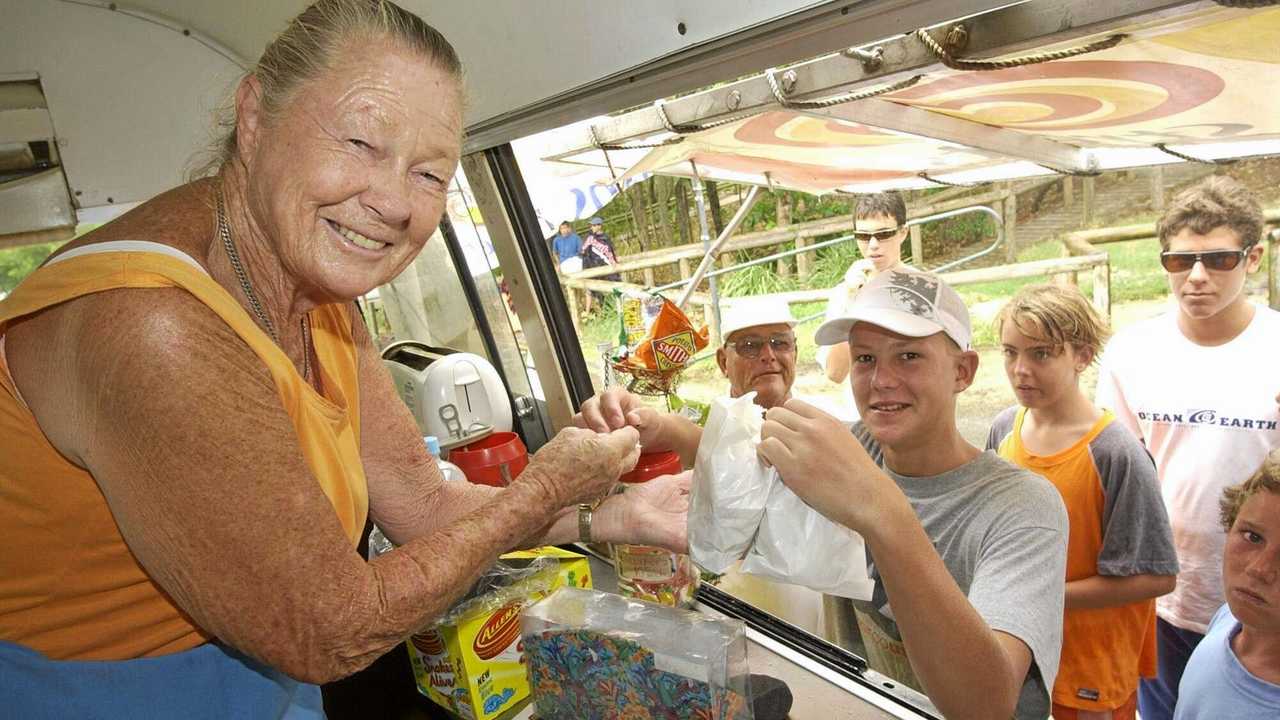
{"x": 1222, "y": 260}
{"x": 751, "y": 347}
{"x": 878, "y": 235}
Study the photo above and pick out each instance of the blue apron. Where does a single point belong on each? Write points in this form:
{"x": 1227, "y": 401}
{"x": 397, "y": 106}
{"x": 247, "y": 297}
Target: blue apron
{"x": 211, "y": 681}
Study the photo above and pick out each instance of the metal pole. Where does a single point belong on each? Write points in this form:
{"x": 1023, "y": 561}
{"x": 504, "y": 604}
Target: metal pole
{"x": 701, "y": 204}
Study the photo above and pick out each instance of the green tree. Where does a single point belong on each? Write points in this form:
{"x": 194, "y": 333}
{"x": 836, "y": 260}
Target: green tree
{"x": 17, "y": 263}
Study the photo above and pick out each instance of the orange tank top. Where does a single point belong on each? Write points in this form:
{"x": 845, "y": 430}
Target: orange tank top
{"x": 1104, "y": 650}
{"x": 69, "y": 587}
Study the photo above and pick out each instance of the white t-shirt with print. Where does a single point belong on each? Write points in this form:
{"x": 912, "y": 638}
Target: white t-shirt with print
{"x": 1208, "y": 415}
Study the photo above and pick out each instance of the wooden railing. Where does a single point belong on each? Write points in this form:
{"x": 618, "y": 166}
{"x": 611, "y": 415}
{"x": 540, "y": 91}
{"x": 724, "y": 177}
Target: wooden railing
{"x": 685, "y": 256}
{"x": 1068, "y": 269}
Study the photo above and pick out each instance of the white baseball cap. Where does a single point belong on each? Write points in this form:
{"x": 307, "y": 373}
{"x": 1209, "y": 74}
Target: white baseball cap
{"x": 908, "y": 302}
{"x": 748, "y": 312}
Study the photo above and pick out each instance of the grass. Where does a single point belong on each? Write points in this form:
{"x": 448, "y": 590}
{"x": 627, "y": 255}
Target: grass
{"x": 1135, "y": 275}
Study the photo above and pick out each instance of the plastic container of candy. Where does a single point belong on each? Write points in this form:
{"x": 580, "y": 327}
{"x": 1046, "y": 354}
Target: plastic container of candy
{"x": 595, "y": 655}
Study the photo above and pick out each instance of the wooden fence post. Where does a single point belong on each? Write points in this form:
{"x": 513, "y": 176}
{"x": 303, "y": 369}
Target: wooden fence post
{"x": 1088, "y": 202}
{"x": 1157, "y": 188}
{"x": 1273, "y": 269}
{"x": 709, "y": 317}
{"x": 684, "y": 268}
{"x": 803, "y": 262}
{"x": 1011, "y": 227}
{"x": 917, "y": 246}
{"x": 1068, "y": 191}
{"x": 572, "y": 296}
{"x": 648, "y": 277}
{"x": 1102, "y": 288}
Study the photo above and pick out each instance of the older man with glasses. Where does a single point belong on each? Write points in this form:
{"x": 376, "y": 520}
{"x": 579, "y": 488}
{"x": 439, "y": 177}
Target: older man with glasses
{"x": 759, "y": 355}
{"x": 1198, "y": 386}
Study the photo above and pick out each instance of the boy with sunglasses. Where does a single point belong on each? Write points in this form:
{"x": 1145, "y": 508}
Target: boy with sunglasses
{"x": 1198, "y": 385}
{"x": 879, "y": 227}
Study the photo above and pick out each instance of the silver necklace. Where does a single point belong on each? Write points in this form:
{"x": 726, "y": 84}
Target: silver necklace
{"x": 224, "y": 231}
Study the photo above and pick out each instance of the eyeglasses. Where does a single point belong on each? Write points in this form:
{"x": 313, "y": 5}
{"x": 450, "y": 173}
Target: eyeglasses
{"x": 751, "y": 347}
{"x": 877, "y": 235}
{"x": 1222, "y": 260}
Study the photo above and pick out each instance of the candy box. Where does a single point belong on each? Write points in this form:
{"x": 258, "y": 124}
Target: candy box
{"x": 472, "y": 660}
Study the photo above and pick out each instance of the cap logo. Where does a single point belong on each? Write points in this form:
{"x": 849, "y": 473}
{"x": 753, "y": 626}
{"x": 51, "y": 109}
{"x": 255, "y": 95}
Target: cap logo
{"x": 917, "y": 293}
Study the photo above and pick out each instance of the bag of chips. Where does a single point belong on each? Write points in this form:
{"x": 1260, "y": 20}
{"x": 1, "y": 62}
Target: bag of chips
{"x": 672, "y": 340}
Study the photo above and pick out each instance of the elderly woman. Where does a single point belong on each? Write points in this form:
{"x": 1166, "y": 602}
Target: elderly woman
{"x": 194, "y": 423}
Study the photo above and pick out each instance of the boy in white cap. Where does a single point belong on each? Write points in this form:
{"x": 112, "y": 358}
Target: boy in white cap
{"x": 968, "y": 551}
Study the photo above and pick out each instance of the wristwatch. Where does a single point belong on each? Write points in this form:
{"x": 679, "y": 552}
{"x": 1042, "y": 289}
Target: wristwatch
{"x": 584, "y": 522}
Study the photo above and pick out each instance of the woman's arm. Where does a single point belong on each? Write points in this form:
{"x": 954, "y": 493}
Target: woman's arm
{"x": 181, "y": 426}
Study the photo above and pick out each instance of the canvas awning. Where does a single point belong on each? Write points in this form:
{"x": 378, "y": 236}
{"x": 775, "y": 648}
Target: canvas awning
{"x": 1204, "y": 82}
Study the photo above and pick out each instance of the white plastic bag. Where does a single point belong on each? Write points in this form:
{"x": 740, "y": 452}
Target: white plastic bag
{"x": 730, "y": 484}
{"x": 799, "y": 545}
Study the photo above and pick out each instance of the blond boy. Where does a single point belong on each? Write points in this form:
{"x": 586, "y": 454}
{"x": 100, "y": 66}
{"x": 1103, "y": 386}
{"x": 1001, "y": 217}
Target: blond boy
{"x": 1120, "y": 552}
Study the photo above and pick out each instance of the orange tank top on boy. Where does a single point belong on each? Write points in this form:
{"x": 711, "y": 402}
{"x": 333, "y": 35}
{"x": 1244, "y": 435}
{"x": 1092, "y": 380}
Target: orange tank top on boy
{"x": 69, "y": 586}
{"x": 1104, "y": 650}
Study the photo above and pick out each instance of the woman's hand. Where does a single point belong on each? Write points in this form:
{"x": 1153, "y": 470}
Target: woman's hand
{"x": 580, "y": 466}
{"x": 822, "y": 462}
{"x": 616, "y": 408}
{"x": 650, "y": 513}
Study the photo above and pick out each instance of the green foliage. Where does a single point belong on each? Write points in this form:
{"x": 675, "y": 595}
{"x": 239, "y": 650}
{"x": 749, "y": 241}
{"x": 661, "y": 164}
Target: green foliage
{"x": 17, "y": 263}
{"x": 756, "y": 280}
{"x": 832, "y": 263}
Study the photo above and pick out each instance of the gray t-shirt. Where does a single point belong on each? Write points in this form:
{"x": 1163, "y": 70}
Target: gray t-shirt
{"x": 1002, "y": 533}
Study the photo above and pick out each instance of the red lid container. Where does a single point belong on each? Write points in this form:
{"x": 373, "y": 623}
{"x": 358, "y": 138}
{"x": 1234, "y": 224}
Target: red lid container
{"x": 494, "y": 460}
{"x": 652, "y": 465}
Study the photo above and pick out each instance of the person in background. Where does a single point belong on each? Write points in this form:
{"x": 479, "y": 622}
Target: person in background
{"x": 1198, "y": 385}
{"x": 879, "y": 227}
{"x": 597, "y": 251}
{"x": 1235, "y": 670}
{"x": 566, "y": 245}
{"x": 1120, "y": 553}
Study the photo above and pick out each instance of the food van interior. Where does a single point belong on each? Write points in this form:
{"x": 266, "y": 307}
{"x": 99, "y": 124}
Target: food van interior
{"x": 852, "y": 63}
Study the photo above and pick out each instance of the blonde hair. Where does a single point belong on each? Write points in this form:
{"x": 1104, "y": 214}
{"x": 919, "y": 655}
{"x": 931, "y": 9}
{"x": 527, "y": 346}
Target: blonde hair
{"x": 1058, "y": 315}
{"x": 1233, "y": 498}
{"x": 309, "y": 45}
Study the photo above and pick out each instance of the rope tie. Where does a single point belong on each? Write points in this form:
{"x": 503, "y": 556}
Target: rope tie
{"x": 692, "y": 128}
{"x": 1203, "y": 161}
{"x": 640, "y": 146}
{"x": 925, "y": 176}
{"x": 956, "y": 63}
{"x": 1247, "y": 3}
{"x": 1071, "y": 173}
{"x": 782, "y": 100}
